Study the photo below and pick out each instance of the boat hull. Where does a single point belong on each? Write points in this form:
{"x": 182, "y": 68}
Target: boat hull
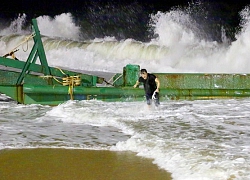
{"x": 28, "y": 82}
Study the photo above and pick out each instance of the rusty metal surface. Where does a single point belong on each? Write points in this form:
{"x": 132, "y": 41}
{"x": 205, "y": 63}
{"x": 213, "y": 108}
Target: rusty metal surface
{"x": 204, "y": 81}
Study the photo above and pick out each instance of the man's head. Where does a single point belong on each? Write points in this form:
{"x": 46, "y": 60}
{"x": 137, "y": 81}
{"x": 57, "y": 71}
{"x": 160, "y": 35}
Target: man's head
{"x": 144, "y": 73}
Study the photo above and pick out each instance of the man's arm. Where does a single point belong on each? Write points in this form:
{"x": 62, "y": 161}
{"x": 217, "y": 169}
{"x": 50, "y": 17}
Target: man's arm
{"x": 157, "y": 84}
{"x": 136, "y": 84}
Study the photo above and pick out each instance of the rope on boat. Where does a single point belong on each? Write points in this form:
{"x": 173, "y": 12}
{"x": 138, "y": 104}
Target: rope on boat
{"x": 11, "y": 53}
{"x": 107, "y": 82}
{"x": 49, "y": 76}
{"x": 117, "y": 78}
{"x": 112, "y": 84}
{"x": 61, "y": 71}
{"x": 70, "y": 81}
{"x": 24, "y": 41}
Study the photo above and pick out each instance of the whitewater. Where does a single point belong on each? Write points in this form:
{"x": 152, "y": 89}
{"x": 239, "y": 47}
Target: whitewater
{"x": 177, "y": 47}
{"x": 206, "y": 140}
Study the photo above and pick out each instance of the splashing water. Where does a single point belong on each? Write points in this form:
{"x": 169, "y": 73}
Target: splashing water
{"x": 201, "y": 139}
{"x": 16, "y": 26}
{"x": 60, "y": 26}
{"x": 178, "y": 47}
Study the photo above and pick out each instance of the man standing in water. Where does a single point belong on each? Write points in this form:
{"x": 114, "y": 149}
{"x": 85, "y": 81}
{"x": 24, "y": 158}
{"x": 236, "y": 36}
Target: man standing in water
{"x": 151, "y": 86}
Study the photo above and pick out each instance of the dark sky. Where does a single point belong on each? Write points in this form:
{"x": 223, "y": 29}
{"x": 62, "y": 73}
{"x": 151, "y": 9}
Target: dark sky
{"x": 221, "y": 13}
{"x": 39, "y": 7}
{"x": 224, "y": 12}
{"x": 59, "y": 6}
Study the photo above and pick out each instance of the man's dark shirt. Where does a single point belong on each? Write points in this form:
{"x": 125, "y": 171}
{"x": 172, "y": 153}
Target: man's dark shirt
{"x": 149, "y": 83}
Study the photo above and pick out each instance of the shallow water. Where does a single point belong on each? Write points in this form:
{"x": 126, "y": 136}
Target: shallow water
{"x": 202, "y": 139}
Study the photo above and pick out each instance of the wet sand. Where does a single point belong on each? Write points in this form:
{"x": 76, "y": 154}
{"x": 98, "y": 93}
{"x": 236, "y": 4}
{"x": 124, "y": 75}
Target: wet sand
{"x": 67, "y": 164}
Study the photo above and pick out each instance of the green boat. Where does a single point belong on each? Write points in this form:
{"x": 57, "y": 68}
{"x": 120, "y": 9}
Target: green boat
{"x": 29, "y": 82}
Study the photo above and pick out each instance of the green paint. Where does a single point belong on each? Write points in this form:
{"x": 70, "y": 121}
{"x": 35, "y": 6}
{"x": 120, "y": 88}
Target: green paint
{"x": 30, "y": 83}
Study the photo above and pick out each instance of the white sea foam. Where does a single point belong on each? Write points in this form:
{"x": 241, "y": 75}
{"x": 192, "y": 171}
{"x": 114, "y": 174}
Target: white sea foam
{"x": 201, "y": 139}
{"x": 177, "y": 48}
{"x": 60, "y": 26}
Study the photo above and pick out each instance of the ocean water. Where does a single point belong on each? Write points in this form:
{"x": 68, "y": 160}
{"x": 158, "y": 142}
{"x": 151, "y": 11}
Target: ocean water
{"x": 201, "y": 139}
{"x": 206, "y": 140}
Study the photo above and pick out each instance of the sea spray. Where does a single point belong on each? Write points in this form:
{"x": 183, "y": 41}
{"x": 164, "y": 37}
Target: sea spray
{"x": 237, "y": 57}
{"x": 178, "y": 47}
{"x": 17, "y": 26}
{"x": 62, "y": 26}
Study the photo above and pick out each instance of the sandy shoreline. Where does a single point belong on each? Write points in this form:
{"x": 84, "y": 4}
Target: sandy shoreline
{"x": 68, "y": 164}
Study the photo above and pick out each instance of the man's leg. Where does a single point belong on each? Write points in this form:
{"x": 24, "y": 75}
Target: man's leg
{"x": 156, "y": 99}
{"x": 149, "y": 99}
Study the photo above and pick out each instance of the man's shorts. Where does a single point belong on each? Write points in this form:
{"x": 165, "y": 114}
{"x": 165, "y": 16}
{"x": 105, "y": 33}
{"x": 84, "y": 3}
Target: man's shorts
{"x": 156, "y": 99}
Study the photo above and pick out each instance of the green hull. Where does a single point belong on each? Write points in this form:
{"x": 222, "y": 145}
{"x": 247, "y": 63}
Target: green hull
{"x": 31, "y": 83}
{"x": 49, "y": 95}
{"x": 38, "y": 91}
